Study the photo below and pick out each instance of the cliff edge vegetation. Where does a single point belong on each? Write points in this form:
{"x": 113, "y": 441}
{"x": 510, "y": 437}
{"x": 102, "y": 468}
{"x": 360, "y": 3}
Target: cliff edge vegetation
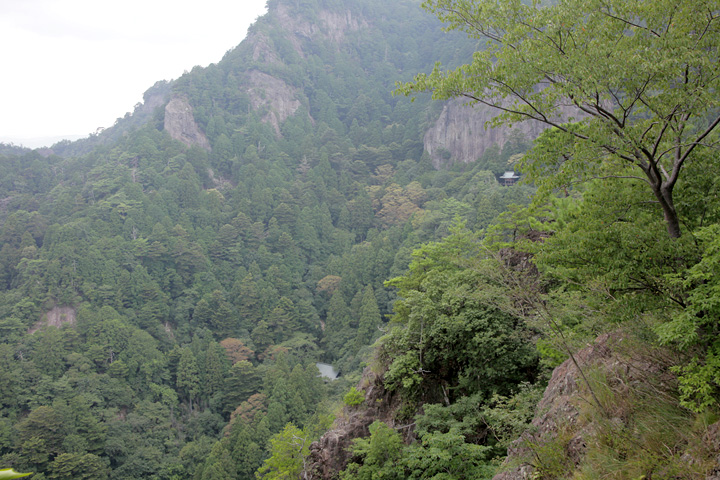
{"x": 610, "y": 274}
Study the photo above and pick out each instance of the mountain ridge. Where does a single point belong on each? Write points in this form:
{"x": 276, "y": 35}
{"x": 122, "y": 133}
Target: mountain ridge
{"x": 454, "y": 134}
{"x": 179, "y": 297}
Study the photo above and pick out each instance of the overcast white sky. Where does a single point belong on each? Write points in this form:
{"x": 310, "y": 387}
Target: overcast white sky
{"x": 71, "y": 66}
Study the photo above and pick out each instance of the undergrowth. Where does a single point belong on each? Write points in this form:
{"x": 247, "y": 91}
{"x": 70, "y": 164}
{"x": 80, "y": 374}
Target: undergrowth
{"x": 639, "y": 430}
{"x": 643, "y": 433}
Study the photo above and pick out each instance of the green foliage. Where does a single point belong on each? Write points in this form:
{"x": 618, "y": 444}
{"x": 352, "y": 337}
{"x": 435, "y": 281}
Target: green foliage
{"x": 369, "y": 318}
{"x": 446, "y": 455}
{"x": 450, "y": 340}
{"x": 615, "y": 111}
{"x": 507, "y": 418}
{"x": 438, "y": 455}
{"x": 147, "y": 254}
{"x": 354, "y": 398}
{"x": 85, "y": 467}
{"x": 288, "y": 451}
{"x": 609, "y": 254}
{"x": 695, "y": 326}
{"x": 9, "y": 473}
{"x": 379, "y": 455}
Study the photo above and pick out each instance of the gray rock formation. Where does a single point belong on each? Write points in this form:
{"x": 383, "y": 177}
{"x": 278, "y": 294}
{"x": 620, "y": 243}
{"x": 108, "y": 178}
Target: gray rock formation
{"x": 273, "y": 97}
{"x": 276, "y": 97}
{"x": 461, "y": 131}
{"x": 331, "y": 454}
{"x": 180, "y": 124}
{"x": 331, "y": 25}
{"x": 56, "y": 317}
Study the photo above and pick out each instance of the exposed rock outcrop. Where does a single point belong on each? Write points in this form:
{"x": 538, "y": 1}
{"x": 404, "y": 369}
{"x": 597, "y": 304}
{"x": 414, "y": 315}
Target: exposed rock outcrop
{"x": 330, "y": 454}
{"x": 559, "y": 411}
{"x": 460, "y": 130}
{"x": 181, "y": 125}
{"x": 270, "y": 95}
{"x": 335, "y": 25}
{"x": 330, "y": 25}
{"x": 275, "y": 96}
{"x": 262, "y": 50}
{"x": 56, "y": 317}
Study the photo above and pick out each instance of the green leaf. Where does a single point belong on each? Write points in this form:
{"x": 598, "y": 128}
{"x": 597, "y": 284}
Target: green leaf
{"x": 8, "y": 473}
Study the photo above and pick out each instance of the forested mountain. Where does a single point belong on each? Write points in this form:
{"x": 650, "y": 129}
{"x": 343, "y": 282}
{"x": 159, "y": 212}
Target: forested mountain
{"x": 610, "y": 274}
{"x": 167, "y": 285}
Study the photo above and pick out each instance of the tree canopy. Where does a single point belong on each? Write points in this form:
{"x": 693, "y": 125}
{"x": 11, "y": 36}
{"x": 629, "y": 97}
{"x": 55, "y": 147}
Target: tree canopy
{"x": 162, "y": 307}
{"x": 629, "y": 87}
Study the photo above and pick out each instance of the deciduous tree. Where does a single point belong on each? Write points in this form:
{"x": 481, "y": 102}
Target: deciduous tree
{"x": 629, "y": 87}
{"x": 289, "y": 449}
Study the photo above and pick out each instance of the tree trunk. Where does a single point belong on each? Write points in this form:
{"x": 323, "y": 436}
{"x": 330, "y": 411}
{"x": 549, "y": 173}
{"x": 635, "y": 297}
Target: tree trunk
{"x": 664, "y": 195}
{"x": 673, "y": 223}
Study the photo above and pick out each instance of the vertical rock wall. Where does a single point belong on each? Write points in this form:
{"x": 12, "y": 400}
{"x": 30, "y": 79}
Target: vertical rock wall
{"x": 180, "y": 124}
{"x": 461, "y": 131}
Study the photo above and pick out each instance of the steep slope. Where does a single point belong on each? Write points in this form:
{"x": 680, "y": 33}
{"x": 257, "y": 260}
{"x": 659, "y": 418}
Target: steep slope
{"x": 326, "y": 64}
{"x": 167, "y": 286}
{"x": 286, "y": 56}
{"x": 637, "y": 426}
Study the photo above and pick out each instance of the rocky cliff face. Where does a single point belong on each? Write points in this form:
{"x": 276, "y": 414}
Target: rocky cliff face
{"x": 461, "y": 131}
{"x": 331, "y": 26}
{"x": 274, "y": 98}
{"x": 330, "y": 454}
{"x": 180, "y": 124}
{"x": 576, "y": 425}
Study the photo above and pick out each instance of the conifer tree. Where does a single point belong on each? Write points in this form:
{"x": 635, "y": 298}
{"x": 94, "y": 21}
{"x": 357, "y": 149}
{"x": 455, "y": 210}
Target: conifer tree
{"x": 188, "y": 376}
{"x": 369, "y": 319}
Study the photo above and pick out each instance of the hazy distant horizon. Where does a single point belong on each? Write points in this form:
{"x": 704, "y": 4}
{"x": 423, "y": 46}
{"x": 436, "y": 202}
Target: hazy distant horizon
{"x": 78, "y": 66}
{"x": 39, "y": 141}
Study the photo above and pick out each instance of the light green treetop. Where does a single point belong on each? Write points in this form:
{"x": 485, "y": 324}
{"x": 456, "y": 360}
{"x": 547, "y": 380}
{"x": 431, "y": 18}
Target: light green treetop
{"x": 289, "y": 449}
{"x": 8, "y": 473}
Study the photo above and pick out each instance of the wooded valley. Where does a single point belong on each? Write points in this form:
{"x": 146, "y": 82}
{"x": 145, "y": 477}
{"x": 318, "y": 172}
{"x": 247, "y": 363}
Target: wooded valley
{"x": 168, "y": 285}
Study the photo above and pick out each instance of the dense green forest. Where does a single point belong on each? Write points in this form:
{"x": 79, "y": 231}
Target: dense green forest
{"x": 163, "y": 304}
{"x": 162, "y": 307}
{"x": 620, "y": 243}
